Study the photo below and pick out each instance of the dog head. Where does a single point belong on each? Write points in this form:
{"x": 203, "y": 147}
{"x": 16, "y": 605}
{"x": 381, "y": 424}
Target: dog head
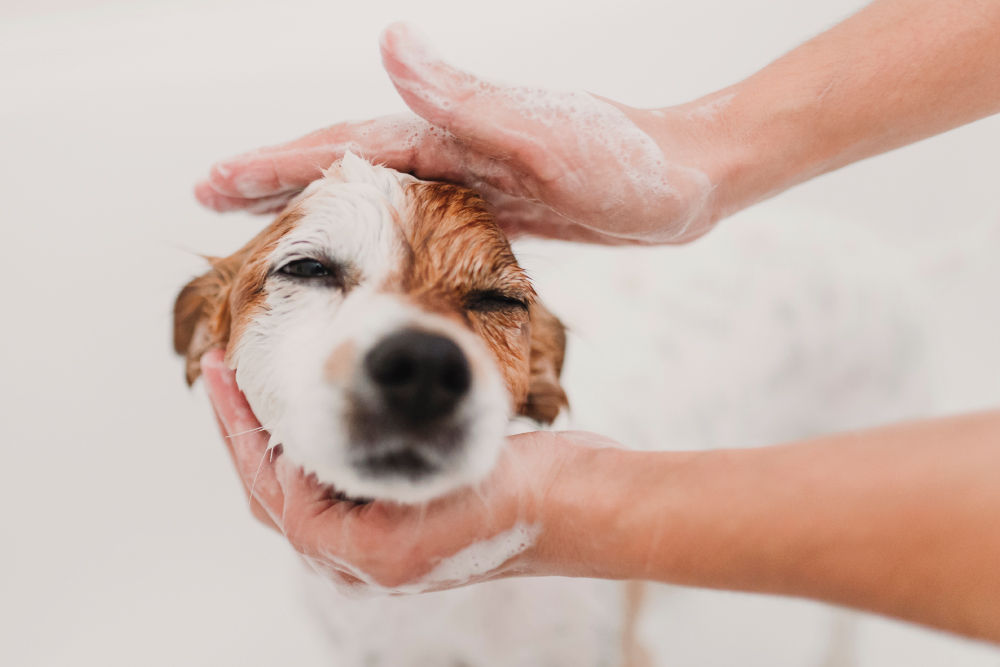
{"x": 382, "y": 331}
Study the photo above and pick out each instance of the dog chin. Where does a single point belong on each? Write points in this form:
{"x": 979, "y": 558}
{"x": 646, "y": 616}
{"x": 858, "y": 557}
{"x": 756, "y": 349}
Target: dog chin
{"x": 374, "y": 459}
{"x": 403, "y": 476}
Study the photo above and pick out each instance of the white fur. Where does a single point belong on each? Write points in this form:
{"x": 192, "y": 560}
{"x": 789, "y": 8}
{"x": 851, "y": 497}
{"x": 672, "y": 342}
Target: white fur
{"x": 536, "y": 622}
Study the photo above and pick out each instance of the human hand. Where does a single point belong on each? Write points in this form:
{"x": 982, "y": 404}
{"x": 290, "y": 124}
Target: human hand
{"x": 569, "y": 166}
{"x": 505, "y": 526}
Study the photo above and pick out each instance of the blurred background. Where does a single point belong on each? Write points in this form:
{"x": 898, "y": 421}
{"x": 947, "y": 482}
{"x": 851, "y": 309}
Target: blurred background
{"x": 127, "y": 536}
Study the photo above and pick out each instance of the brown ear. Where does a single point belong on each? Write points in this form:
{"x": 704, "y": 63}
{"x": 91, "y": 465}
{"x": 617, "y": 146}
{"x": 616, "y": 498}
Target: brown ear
{"x": 201, "y": 317}
{"x": 548, "y": 346}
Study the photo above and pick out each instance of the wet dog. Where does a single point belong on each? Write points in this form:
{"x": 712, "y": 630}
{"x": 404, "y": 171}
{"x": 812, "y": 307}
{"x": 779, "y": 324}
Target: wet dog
{"x": 385, "y": 336}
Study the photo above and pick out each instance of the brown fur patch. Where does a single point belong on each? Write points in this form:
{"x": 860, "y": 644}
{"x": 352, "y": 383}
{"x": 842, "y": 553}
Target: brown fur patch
{"x": 545, "y": 396}
{"x": 456, "y": 249}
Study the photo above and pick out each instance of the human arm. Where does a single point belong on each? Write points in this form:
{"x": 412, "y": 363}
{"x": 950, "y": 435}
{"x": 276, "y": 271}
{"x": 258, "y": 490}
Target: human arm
{"x": 896, "y": 72}
{"x": 579, "y": 167}
{"x": 903, "y": 520}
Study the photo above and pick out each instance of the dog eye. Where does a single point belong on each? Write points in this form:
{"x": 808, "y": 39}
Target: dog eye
{"x": 488, "y": 301}
{"x": 306, "y": 268}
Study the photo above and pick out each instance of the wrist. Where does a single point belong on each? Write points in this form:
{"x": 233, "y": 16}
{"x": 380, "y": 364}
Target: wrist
{"x": 754, "y": 140}
{"x": 610, "y": 513}
{"x": 577, "y": 513}
{"x": 703, "y": 135}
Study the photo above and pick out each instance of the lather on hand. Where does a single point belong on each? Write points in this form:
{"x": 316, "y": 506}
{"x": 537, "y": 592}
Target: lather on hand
{"x": 561, "y": 165}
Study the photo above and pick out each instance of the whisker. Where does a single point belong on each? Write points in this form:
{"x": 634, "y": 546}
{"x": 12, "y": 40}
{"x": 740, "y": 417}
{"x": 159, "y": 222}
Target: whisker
{"x": 253, "y": 430}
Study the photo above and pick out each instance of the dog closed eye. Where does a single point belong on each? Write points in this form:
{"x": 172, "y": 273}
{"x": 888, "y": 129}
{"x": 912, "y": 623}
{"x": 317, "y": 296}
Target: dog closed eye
{"x": 321, "y": 273}
{"x": 306, "y": 268}
{"x": 494, "y": 300}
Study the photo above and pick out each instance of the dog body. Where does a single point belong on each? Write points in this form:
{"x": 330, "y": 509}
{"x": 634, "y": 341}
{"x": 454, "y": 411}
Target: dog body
{"x": 544, "y": 622}
{"x": 385, "y": 335}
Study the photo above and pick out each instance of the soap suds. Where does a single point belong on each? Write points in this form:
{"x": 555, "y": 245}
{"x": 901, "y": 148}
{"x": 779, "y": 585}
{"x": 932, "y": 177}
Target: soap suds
{"x": 482, "y": 558}
{"x": 712, "y": 107}
{"x": 472, "y": 564}
{"x": 577, "y": 143}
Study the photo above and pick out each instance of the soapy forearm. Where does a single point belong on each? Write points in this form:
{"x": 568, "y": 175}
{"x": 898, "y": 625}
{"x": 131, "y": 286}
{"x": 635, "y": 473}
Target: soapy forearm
{"x": 903, "y": 521}
{"x": 894, "y": 73}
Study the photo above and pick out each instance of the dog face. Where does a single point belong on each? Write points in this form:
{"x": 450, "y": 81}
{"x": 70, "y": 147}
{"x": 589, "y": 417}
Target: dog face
{"x": 382, "y": 331}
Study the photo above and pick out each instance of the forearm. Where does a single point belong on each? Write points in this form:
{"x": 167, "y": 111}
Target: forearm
{"x": 903, "y": 521}
{"x": 896, "y": 72}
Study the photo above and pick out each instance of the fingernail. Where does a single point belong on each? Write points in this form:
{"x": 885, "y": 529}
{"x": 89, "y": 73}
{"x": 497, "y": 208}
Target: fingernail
{"x": 208, "y": 197}
{"x": 202, "y": 194}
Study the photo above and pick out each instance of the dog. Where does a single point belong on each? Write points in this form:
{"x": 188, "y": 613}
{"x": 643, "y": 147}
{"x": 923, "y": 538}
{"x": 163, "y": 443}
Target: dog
{"x": 387, "y": 337}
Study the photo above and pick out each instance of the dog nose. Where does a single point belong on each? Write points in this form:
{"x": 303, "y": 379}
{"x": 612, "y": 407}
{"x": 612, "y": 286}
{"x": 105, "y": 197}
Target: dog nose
{"x": 420, "y": 375}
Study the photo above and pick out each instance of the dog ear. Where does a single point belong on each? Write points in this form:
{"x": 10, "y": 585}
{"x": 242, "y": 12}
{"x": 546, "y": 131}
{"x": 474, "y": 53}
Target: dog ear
{"x": 201, "y": 316}
{"x": 548, "y": 346}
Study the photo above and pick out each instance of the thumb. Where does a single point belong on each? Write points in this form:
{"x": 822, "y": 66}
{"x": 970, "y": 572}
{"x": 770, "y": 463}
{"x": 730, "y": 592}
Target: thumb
{"x": 480, "y": 113}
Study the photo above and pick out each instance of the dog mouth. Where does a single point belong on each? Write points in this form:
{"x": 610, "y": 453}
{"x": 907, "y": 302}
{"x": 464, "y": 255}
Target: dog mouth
{"x": 383, "y": 447}
{"x": 407, "y": 463}
{"x": 412, "y": 464}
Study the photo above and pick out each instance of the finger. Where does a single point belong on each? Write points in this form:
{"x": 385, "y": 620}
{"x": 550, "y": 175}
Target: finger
{"x": 432, "y": 88}
{"x": 490, "y": 117}
{"x": 209, "y": 198}
{"x": 300, "y": 488}
{"x": 404, "y": 142}
{"x": 256, "y": 175}
{"x": 249, "y": 442}
{"x": 255, "y": 507}
{"x": 314, "y": 521}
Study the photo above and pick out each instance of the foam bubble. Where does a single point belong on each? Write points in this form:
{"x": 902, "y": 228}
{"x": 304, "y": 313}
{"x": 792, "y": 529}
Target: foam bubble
{"x": 472, "y": 564}
{"x": 482, "y": 558}
{"x": 712, "y": 107}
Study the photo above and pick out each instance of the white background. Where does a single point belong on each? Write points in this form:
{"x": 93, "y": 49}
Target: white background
{"x": 126, "y": 537}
